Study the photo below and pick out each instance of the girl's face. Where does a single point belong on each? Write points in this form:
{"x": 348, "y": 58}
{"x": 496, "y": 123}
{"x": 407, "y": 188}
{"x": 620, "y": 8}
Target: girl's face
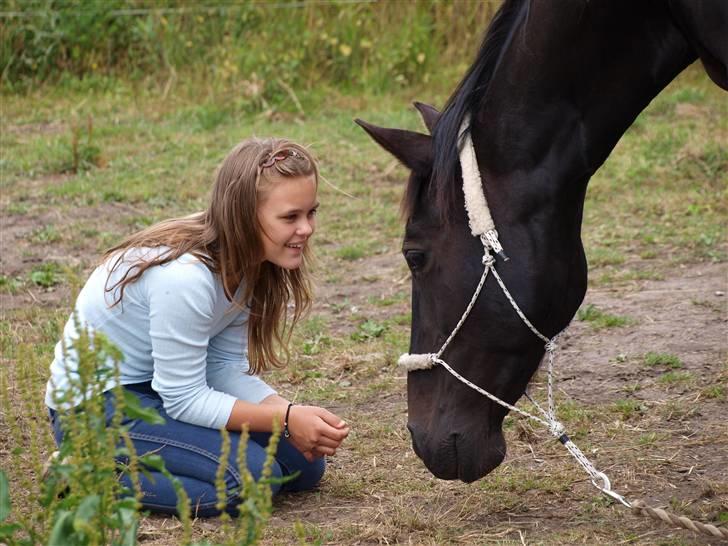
{"x": 287, "y": 215}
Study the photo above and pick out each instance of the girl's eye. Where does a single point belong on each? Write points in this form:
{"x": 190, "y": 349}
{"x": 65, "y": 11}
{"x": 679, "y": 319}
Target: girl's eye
{"x": 313, "y": 212}
{"x": 415, "y": 259}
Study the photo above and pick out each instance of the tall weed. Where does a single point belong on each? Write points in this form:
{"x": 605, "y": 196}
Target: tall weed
{"x": 79, "y": 497}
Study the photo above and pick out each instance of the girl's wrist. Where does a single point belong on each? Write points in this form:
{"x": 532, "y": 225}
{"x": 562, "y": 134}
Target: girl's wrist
{"x": 286, "y": 431}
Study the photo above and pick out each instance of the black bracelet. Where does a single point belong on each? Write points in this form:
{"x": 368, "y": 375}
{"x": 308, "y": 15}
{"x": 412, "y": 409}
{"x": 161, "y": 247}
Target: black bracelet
{"x": 286, "y": 432}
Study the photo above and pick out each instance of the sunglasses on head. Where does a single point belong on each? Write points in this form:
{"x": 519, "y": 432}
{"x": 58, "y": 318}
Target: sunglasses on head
{"x": 280, "y": 156}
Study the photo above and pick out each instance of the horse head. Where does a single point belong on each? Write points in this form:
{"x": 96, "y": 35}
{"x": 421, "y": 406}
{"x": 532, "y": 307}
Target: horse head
{"x": 454, "y": 430}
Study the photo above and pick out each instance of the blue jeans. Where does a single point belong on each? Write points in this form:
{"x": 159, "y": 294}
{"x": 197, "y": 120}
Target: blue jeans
{"x": 192, "y": 454}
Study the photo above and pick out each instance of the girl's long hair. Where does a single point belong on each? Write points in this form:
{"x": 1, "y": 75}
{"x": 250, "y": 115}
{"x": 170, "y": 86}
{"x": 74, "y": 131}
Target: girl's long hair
{"x": 227, "y": 239}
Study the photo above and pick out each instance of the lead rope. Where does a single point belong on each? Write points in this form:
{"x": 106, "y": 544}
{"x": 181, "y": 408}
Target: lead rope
{"x": 482, "y": 226}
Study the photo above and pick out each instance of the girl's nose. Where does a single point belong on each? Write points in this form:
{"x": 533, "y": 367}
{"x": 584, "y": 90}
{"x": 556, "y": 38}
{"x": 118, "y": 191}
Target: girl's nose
{"x": 305, "y": 228}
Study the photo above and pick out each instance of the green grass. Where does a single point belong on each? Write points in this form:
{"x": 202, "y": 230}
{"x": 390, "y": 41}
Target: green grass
{"x": 46, "y": 275}
{"x": 599, "y": 319}
{"x": 667, "y": 360}
{"x": 715, "y": 391}
{"x": 629, "y": 408}
{"x": 675, "y": 378}
{"x": 159, "y": 153}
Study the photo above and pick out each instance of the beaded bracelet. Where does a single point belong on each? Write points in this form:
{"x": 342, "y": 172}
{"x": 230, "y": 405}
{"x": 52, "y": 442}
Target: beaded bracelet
{"x": 286, "y": 432}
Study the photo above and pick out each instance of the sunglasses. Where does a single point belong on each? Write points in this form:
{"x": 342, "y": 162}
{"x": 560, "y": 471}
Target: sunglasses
{"x": 280, "y": 156}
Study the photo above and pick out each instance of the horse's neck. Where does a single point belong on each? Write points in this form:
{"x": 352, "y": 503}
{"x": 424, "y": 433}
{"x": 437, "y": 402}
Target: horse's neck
{"x": 573, "y": 80}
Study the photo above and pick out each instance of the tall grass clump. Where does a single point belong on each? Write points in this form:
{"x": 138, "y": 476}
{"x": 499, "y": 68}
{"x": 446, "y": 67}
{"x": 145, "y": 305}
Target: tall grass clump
{"x": 87, "y": 492}
{"x": 266, "y": 51}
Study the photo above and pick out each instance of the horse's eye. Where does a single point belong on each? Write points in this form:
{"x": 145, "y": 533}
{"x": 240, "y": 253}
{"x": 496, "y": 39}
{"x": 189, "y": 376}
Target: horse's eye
{"x": 415, "y": 259}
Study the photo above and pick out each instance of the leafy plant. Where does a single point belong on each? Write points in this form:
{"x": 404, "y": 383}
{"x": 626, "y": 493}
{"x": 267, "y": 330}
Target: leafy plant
{"x": 45, "y": 234}
{"x": 84, "y": 155}
{"x": 369, "y": 329}
{"x": 84, "y": 502}
{"x": 46, "y": 275}
{"x": 9, "y": 285}
{"x": 7, "y": 530}
{"x": 314, "y": 345}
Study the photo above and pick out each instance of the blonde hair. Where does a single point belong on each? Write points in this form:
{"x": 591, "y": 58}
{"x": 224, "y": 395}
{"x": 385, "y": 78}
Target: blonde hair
{"x": 227, "y": 239}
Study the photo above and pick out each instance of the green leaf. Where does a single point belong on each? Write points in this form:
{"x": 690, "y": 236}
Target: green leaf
{"x": 62, "y": 532}
{"x": 86, "y": 511}
{"x": 7, "y": 530}
{"x": 154, "y": 461}
{"x": 134, "y": 410}
{"x": 4, "y": 496}
{"x": 129, "y": 522}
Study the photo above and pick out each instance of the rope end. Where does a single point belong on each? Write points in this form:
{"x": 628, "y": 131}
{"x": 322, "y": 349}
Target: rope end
{"x": 415, "y": 362}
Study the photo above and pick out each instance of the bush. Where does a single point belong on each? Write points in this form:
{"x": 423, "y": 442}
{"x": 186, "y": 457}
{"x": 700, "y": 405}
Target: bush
{"x": 266, "y": 52}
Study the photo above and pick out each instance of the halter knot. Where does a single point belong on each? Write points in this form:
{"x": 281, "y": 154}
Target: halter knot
{"x": 488, "y": 259}
{"x": 556, "y": 428}
{"x": 550, "y": 345}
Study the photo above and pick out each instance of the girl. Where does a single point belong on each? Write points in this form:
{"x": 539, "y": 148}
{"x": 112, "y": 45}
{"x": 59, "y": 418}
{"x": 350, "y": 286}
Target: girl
{"x": 197, "y": 306}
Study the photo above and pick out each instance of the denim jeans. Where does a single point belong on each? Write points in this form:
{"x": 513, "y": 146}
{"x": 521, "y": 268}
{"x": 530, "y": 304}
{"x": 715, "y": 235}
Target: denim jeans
{"x": 192, "y": 454}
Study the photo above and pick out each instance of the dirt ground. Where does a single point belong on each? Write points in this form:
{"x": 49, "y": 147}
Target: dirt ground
{"x": 685, "y": 314}
{"x": 671, "y": 449}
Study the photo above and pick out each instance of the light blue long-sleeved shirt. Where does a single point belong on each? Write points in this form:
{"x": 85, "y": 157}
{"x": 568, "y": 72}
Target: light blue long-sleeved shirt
{"x": 175, "y": 327}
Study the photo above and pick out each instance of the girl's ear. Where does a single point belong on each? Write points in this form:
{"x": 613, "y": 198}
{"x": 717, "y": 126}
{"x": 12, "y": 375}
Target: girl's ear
{"x": 413, "y": 149}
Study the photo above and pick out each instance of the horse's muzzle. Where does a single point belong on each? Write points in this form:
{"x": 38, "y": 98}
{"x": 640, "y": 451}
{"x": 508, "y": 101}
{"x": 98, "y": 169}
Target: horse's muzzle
{"x": 457, "y": 455}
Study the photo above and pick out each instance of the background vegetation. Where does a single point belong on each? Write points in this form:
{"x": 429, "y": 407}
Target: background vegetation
{"x": 114, "y": 115}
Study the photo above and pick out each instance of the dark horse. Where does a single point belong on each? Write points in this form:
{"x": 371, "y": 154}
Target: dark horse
{"x": 553, "y": 88}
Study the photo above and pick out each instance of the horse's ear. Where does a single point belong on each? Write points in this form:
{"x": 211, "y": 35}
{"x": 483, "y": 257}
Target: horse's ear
{"x": 429, "y": 114}
{"x": 413, "y": 149}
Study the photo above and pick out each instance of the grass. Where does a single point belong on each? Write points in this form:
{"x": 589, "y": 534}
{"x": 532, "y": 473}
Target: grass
{"x": 159, "y": 152}
{"x": 599, "y": 319}
{"x": 662, "y": 359}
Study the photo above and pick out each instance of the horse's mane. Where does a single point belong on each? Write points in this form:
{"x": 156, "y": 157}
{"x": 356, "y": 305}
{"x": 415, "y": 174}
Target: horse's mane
{"x": 467, "y": 98}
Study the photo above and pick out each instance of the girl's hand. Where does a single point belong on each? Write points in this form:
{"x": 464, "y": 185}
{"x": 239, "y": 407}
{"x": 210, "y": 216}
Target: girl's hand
{"x": 315, "y": 431}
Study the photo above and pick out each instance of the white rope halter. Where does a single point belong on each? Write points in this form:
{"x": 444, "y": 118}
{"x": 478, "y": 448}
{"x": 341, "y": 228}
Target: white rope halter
{"x": 482, "y": 226}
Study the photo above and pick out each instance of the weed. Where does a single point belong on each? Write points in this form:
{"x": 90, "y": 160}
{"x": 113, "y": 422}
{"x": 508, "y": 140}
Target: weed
{"x": 629, "y": 408}
{"x": 84, "y": 155}
{"x": 633, "y": 388}
{"x": 674, "y": 378}
{"x": 17, "y": 208}
{"x": 598, "y": 319}
{"x": 46, "y": 275}
{"x": 82, "y": 498}
{"x": 369, "y": 329}
{"x": 45, "y": 234}
{"x": 351, "y": 252}
{"x": 605, "y": 256}
{"x": 662, "y": 359}
{"x": 652, "y": 438}
{"x": 386, "y": 301}
{"x": 314, "y": 345}
{"x": 10, "y": 285}
{"x": 717, "y": 392}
